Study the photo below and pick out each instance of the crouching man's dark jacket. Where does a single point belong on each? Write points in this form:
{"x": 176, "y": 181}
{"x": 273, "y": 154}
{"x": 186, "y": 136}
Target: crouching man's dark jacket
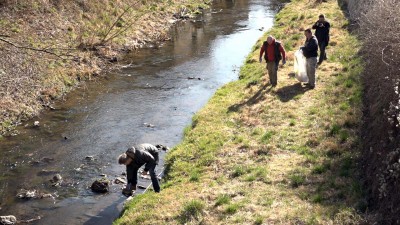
{"x": 143, "y": 154}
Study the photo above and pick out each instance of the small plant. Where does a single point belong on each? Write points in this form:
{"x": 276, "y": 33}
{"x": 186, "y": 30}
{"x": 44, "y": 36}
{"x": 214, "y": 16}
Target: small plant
{"x": 267, "y": 201}
{"x": 238, "y": 171}
{"x": 319, "y": 169}
{"x": 343, "y": 135}
{"x": 267, "y": 137}
{"x": 251, "y": 178}
{"x": 335, "y": 129}
{"x": 232, "y": 208}
{"x": 222, "y": 200}
{"x": 297, "y": 178}
{"x": 317, "y": 198}
{"x": 191, "y": 210}
{"x": 257, "y": 131}
{"x": 194, "y": 176}
{"x": 259, "y": 220}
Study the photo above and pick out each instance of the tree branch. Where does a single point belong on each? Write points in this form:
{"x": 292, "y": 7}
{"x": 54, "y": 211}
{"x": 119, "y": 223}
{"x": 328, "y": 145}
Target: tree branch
{"x": 45, "y": 50}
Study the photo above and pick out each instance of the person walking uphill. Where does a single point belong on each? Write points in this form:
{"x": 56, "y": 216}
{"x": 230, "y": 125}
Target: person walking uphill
{"x": 322, "y": 33}
{"x": 134, "y": 158}
{"x": 274, "y": 52}
{"x": 310, "y": 51}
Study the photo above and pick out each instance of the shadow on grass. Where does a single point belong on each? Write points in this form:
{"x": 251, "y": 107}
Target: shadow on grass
{"x": 288, "y": 93}
{"x": 257, "y": 97}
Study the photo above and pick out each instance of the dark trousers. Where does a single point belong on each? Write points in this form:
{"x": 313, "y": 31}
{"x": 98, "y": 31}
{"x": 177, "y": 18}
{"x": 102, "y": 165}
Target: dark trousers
{"x": 153, "y": 176}
{"x": 132, "y": 170}
{"x": 322, "y": 55}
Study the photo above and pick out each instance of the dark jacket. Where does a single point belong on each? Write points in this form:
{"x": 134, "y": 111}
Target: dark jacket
{"x": 310, "y": 48}
{"x": 143, "y": 154}
{"x": 322, "y": 31}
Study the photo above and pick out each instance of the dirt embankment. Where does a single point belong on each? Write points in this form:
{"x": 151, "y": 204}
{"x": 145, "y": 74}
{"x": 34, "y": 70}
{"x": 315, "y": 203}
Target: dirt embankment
{"x": 48, "y": 47}
{"x": 379, "y": 28}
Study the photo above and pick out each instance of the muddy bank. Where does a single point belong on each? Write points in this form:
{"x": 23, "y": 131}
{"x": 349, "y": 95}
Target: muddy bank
{"x": 47, "y": 48}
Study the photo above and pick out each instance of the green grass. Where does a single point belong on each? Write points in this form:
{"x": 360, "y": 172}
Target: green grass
{"x": 259, "y": 220}
{"x": 232, "y": 208}
{"x": 222, "y": 200}
{"x": 191, "y": 210}
{"x": 239, "y": 170}
{"x": 274, "y": 161}
{"x": 297, "y": 178}
{"x": 267, "y": 137}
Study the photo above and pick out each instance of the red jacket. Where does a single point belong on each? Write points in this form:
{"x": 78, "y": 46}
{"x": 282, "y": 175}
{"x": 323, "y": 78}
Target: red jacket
{"x": 269, "y": 50}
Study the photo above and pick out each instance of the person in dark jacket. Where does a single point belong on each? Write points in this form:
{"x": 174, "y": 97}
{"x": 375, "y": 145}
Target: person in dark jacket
{"x": 310, "y": 51}
{"x": 322, "y": 33}
{"x": 134, "y": 158}
{"x": 274, "y": 52}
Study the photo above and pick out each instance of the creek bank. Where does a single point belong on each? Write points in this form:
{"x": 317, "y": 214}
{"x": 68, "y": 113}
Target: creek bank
{"x": 67, "y": 44}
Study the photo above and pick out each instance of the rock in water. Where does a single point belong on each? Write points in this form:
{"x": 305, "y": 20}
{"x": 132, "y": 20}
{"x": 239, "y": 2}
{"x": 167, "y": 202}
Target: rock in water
{"x": 57, "y": 178}
{"x": 27, "y": 194}
{"x": 100, "y": 186}
{"x": 89, "y": 158}
{"x": 8, "y": 220}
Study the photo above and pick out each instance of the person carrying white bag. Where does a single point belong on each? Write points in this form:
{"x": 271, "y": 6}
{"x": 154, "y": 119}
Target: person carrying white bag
{"x": 300, "y": 66}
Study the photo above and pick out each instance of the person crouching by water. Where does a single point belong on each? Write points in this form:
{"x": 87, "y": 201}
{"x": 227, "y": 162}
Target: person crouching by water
{"x": 274, "y": 52}
{"x": 134, "y": 158}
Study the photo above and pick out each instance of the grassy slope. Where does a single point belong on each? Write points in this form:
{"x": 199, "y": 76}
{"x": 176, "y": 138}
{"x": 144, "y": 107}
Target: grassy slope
{"x": 256, "y": 154}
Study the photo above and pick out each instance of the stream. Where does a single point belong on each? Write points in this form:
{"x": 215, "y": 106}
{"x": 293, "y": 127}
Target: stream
{"x": 151, "y": 100}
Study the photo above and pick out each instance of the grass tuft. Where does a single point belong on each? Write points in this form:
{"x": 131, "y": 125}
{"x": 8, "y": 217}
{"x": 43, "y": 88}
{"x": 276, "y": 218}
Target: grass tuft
{"x": 192, "y": 211}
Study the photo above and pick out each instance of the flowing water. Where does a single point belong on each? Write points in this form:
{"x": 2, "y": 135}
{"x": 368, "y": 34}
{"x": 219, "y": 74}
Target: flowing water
{"x": 163, "y": 87}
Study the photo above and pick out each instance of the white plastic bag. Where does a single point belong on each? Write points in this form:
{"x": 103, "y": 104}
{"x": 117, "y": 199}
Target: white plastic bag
{"x": 300, "y": 66}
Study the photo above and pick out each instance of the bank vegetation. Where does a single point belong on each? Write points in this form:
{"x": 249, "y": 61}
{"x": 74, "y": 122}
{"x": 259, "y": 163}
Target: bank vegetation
{"x": 47, "y": 47}
{"x": 377, "y": 24}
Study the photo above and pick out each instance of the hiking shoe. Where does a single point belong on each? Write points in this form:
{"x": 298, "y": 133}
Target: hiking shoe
{"x": 128, "y": 192}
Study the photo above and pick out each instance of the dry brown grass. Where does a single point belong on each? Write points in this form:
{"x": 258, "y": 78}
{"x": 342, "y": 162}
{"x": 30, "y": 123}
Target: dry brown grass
{"x": 48, "y": 47}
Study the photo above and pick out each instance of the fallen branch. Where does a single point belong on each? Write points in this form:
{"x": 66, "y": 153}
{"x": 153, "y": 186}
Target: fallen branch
{"x": 45, "y": 50}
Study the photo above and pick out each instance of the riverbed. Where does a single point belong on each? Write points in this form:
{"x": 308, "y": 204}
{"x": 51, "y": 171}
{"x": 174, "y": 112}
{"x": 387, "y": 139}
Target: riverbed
{"x": 150, "y": 100}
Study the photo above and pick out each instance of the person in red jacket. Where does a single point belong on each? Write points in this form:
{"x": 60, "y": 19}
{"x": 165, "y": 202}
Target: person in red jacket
{"x": 273, "y": 52}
